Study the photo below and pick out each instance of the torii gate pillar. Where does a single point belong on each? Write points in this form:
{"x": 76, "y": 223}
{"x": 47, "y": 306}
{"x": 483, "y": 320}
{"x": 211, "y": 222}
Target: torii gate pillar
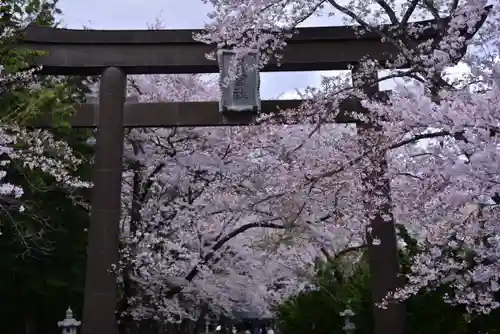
{"x": 102, "y": 253}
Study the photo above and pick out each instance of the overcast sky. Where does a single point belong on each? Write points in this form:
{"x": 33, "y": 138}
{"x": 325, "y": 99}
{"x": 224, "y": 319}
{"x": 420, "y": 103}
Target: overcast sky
{"x": 182, "y": 14}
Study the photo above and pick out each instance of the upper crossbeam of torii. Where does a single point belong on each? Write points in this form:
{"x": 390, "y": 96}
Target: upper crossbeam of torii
{"x": 89, "y": 52}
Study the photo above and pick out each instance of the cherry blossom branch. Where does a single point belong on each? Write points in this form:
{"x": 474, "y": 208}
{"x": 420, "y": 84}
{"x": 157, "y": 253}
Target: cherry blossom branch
{"x": 389, "y": 11}
{"x": 454, "y": 5}
{"x": 409, "y": 12}
{"x": 430, "y": 7}
{"x": 218, "y": 245}
{"x": 410, "y": 175}
{"x": 333, "y": 258}
{"x": 306, "y": 16}
{"x": 150, "y": 181}
{"x": 419, "y": 137}
{"x": 368, "y": 27}
{"x": 356, "y": 160}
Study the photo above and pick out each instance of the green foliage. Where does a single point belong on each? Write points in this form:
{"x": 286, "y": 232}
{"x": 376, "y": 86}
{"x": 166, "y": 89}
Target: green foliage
{"x": 45, "y": 268}
{"x": 44, "y": 283}
{"x": 26, "y": 96}
{"x": 317, "y": 312}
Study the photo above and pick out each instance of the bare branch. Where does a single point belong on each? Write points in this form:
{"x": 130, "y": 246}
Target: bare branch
{"x": 409, "y": 12}
{"x": 429, "y": 5}
{"x": 388, "y": 10}
{"x": 413, "y": 176}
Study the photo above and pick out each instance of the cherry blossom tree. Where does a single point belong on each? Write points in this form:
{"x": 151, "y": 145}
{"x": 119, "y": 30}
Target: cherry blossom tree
{"x": 26, "y": 154}
{"x": 217, "y": 216}
{"x": 441, "y": 140}
{"x": 453, "y": 203}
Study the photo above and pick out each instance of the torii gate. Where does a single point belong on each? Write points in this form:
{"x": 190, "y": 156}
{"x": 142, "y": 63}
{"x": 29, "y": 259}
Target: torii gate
{"x": 114, "y": 54}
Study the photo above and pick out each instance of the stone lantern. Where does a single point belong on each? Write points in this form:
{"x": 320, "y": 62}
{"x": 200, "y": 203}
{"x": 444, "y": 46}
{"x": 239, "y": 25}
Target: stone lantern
{"x": 349, "y": 326}
{"x": 69, "y": 325}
